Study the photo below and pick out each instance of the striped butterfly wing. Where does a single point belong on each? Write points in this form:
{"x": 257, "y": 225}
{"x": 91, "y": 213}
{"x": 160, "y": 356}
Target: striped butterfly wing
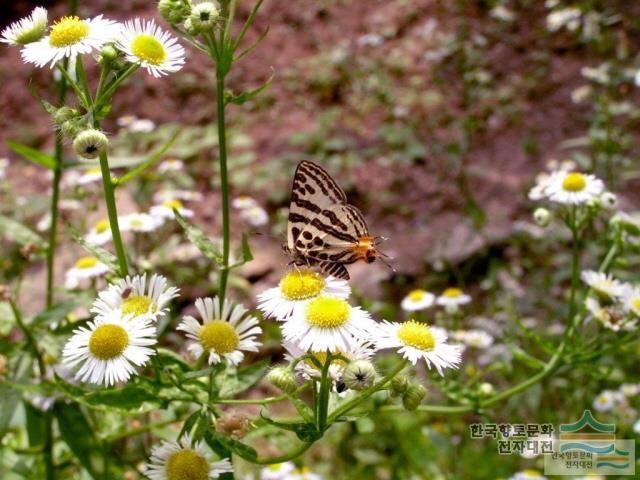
{"x": 313, "y": 191}
{"x": 331, "y": 238}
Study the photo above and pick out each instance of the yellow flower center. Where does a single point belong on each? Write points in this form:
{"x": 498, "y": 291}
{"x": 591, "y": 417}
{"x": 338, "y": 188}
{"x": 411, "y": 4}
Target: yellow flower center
{"x": 574, "y": 182}
{"x": 186, "y": 464}
{"x": 301, "y": 285}
{"x": 108, "y": 341}
{"x": 137, "y": 305}
{"x": 86, "y": 262}
{"x": 452, "y": 292}
{"x": 275, "y": 467}
{"x": 326, "y": 312}
{"x": 136, "y": 222}
{"x": 102, "y": 226}
{"x": 93, "y": 171}
{"x": 68, "y": 31}
{"x": 635, "y": 303}
{"x": 219, "y": 336}
{"x": 148, "y": 49}
{"x": 173, "y": 203}
{"x": 416, "y": 295}
{"x": 417, "y": 335}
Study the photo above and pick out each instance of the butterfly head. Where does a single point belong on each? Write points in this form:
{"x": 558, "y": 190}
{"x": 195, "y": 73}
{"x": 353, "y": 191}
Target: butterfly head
{"x": 366, "y": 249}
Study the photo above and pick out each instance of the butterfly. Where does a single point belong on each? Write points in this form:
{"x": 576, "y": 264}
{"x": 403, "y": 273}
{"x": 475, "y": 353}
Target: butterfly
{"x": 323, "y": 229}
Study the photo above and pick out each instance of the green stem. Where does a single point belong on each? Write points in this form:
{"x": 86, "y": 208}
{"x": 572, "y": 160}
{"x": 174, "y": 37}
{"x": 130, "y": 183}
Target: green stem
{"x": 112, "y": 211}
{"x": 55, "y": 197}
{"x": 323, "y": 398}
{"x": 224, "y": 183}
{"x": 283, "y": 458}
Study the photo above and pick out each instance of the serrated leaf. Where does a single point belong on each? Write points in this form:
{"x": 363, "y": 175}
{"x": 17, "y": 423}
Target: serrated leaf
{"x": 76, "y": 431}
{"x": 106, "y": 257}
{"x": 200, "y": 240}
{"x": 244, "y": 379}
{"x": 22, "y": 235}
{"x": 33, "y": 155}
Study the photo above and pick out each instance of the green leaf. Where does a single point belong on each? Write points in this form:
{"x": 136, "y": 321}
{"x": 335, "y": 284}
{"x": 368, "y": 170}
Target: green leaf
{"x": 200, "y": 240}
{"x": 56, "y": 313}
{"x": 247, "y": 256}
{"x": 76, "y": 431}
{"x": 128, "y": 398}
{"x": 189, "y": 423}
{"x": 33, "y": 155}
{"x": 215, "y": 440}
{"x": 14, "y": 230}
{"x": 35, "y": 425}
{"x": 169, "y": 357}
{"x": 150, "y": 161}
{"x": 249, "y": 94}
{"x": 244, "y": 380}
{"x": 9, "y": 397}
{"x": 106, "y": 257}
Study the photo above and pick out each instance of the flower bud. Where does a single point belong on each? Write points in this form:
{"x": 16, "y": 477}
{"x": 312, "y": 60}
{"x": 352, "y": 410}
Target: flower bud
{"x": 109, "y": 53}
{"x": 609, "y": 200}
{"x": 283, "y": 378}
{"x": 188, "y": 27}
{"x": 398, "y": 385}
{"x": 542, "y": 217}
{"x": 413, "y": 396}
{"x": 71, "y": 128}
{"x": 64, "y": 114}
{"x": 174, "y": 11}
{"x": 485, "y": 389}
{"x": 204, "y": 17}
{"x": 90, "y": 143}
{"x": 359, "y": 375}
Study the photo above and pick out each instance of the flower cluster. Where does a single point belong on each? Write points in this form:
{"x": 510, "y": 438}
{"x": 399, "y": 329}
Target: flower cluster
{"x": 317, "y": 318}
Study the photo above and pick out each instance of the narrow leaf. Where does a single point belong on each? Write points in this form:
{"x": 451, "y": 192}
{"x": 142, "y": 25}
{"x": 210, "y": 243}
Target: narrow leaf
{"x": 244, "y": 380}
{"x": 16, "y": 231}
{"x": 200, "y": 240}
{"x": 76, "y": 431}
{"x": 241, "y": 449}
{"x": 157, "y": 155}
{"x": 33, "y": 155}
{"x": 249, "y": 94}
{"x": 106, "y": 257}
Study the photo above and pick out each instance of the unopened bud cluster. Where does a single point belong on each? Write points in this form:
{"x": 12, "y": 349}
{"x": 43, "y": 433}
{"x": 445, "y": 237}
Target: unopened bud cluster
{"x": 195, "y": 19}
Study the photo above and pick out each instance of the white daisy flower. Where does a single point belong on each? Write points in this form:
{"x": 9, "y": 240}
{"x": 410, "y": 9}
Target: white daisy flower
{"x": 304, "y": 473}
{"x": 477, "y": 339}
{"x": 27, "y": 30}
{"x": 164, "y": 211}
{"x": 606, "y": 288}
{"x": 629, "y": 389}
{"x": 85, "y": 268}
{"x": 573, "y": 188}
{"x": 109, "y": 348}
{"x": 176, "y": 194}
{"x": 171, "y": 165}
{"x": 184, "y": 459}
{"x": 357, "y": 349}
{"x": 528, "y": 475}
{"x": 125, "y": 120}
{"x": 296, "y": 287}
{"x": 145, "y": 43}
{"x": 565, "y": 17}
{"x": 224, "y": 333}
{"x": 452, "y": 298}
{"x": 132, "y": 296}
{"x": 605, "y": 401}
{"x": 99, "y": 234}
{"x": 244, "y": 202}
{"x": 500, "y": 12}
{"x": 631, "y": 300}
{"x": 327, "y": 323}
{"x": 68, "y": 38}
{"x": 90, "y": 175}
{"x": 540, "y": 189}
{"x": 417, "y": 300}
{"x": 277, "y": 471}
{"x": 610, "y": 316}
{"x": 255, "y": 216}
{"x": 139, "y": 223}
{"x": 416, "y": 340}
{"x": 142, "y": 125}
